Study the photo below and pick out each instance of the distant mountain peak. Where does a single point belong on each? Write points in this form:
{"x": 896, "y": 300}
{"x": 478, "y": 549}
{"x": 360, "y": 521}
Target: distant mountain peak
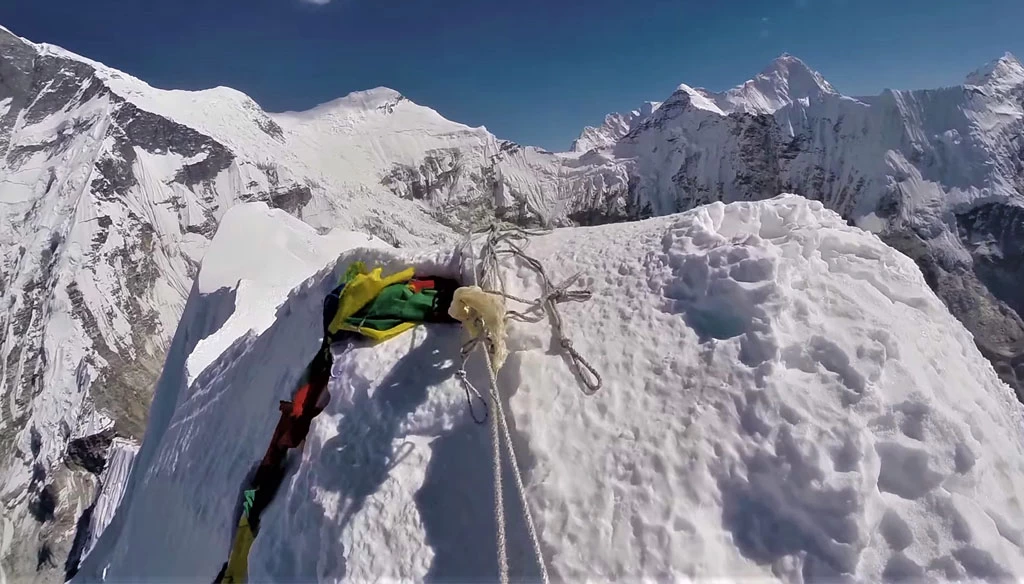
{"x": 367, "y": 100}
{"x": 1006, "y": 70}
{"x": 785, "y": 60}
{"x": 615, "y": 126}
{"x": 785, "y": 80}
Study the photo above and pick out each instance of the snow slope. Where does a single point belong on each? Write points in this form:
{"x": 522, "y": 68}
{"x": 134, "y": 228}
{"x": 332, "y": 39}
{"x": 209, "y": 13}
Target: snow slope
{"x": 784, "y": 396}
{"x": 112, "y": 484}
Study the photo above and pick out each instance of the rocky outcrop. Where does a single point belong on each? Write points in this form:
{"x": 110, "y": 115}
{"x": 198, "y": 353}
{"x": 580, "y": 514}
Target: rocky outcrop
{"x": 90, "y": 452}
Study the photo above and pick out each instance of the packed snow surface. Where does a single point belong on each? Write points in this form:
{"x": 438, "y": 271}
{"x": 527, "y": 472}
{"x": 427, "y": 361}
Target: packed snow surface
{"x": 783, "y": 396}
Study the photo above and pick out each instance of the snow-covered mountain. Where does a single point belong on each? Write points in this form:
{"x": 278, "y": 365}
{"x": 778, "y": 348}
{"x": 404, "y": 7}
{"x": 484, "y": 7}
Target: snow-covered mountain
{"x": 785, "y": 81}
{"x": 615, "y": 126}
{"x": 939, "y": 174}
{"x": 783, "y": 396}
{"x": 110, "y": 191}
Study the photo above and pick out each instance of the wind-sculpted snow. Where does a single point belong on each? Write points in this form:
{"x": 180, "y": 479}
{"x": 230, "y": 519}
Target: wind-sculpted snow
{"x": 783, "y": 397}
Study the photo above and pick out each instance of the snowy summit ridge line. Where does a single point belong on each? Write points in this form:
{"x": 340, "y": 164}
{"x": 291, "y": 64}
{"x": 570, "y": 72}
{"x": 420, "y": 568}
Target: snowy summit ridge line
{"x": 111, "y": 189}
{"x": 732, "y": 439}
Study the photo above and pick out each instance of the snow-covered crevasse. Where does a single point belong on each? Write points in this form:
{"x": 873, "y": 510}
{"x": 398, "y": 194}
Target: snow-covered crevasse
{"x": 784, "y": 396}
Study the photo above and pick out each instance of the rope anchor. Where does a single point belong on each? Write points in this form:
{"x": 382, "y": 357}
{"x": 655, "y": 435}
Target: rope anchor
{"x": 483, "y": 313}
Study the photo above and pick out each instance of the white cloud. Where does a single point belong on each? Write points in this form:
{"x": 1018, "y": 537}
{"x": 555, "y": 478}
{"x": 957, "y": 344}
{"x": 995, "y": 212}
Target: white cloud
{"x": 317, "y": 2}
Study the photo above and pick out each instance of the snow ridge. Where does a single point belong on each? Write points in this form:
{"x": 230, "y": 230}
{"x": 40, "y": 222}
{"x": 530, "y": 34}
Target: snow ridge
{"x": 112, "y": 485}
{"x": 733, "y": 438}
{"x": 615, "y": 126}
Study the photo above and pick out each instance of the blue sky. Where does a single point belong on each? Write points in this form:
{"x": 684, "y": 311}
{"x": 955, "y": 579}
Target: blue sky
{"x": 533, "y": 71}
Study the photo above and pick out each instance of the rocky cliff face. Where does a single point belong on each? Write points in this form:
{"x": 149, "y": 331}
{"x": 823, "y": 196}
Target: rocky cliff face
{"x": 101, "y": 201}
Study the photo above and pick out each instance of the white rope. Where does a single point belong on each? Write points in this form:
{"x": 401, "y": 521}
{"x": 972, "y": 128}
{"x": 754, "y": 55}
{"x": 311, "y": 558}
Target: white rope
{"x": 551, "y": 295}
{"x": 500, "y": 420}
{"x": 499, "y": 501}
{"x": 499, "y": 431}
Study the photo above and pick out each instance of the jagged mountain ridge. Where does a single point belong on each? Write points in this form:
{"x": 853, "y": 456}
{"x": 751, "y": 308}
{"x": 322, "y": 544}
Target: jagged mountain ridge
{"x": 113, "y": 188}
{"x": 784, "y": 81}
{"x": 914, "y": 166}
{"x": 615, "y": 126}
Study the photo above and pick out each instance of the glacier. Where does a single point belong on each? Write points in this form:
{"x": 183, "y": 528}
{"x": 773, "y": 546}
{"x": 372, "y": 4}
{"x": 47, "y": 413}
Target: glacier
{"x": 784, "y": 397}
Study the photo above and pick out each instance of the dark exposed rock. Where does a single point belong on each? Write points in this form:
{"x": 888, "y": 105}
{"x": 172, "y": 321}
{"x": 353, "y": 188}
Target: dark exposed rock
{"x": 270, "y": 127}
{"x": 137, "y": 128}
{"x": 759, "y": 139}
{"x": 17, "y": 155}
{"x": 597, "y": 216}
{"x": 291, "y": 200}
{"x": 998, "y": 330}
{"x": 160, "y": 135}
{"x": 206, "y": 169}
{"x": 388, "y": 107}
{"x": 207, "y": 228}
{"x": 79, "y": 542}
{"x": 51, "y": 540}
{"x": 114, "y": 169}
{"x": 435, "y": 175}
{"x": 35, "y": 441}
{"x": 56, "y": 83}
{"x": 994, "y": 234}
{"x": 270, "y": 171}
{"x": 44, "y": 558}
{"x": 90, "y": 452}
{"x": 509, "y": 147}
{"x": 43, "y": 504}
{"x": 38, "y": 475}
{"x": 122, "y": 388}
{"x": 16, "y": 66}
